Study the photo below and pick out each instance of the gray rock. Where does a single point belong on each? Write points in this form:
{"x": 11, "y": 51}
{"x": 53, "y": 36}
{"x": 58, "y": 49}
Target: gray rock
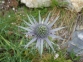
{"x": 76, "y": 44}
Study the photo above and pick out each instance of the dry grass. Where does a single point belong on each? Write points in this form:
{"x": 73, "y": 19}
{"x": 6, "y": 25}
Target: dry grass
{"x": 67, "y": 19}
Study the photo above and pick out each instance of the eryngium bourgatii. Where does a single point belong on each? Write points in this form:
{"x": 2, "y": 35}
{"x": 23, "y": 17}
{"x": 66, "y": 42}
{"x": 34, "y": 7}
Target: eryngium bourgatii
{"x": 41, "y": 31}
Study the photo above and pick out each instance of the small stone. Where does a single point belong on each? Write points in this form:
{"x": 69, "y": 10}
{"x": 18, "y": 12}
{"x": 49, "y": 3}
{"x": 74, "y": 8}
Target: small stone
{"x": 56, "y": 56}
{"x": 13, "y": 9}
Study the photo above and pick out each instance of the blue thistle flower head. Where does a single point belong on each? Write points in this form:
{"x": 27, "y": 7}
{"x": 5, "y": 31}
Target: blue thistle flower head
{"x": 41, "y": 31}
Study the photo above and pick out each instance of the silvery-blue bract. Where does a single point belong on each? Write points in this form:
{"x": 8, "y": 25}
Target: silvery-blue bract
{"x": 41, "y": 31}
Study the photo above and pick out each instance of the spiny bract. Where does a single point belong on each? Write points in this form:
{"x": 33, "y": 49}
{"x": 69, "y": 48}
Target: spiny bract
{"x": 41, "y": 31}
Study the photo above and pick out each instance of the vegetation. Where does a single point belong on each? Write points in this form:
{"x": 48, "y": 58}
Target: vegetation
{"x": 12, "y": 40}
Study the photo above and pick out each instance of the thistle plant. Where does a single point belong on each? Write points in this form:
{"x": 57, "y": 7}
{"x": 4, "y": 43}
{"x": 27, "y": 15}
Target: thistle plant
{"x": 41, "y": 31}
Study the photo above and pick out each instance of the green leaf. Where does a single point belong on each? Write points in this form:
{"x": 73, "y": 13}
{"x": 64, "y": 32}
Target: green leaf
{"x": 6, "y": 41}
{"x": 21, "y": 42}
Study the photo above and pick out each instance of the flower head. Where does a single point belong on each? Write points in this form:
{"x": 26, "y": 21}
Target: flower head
{"x": 41, "y": 31}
